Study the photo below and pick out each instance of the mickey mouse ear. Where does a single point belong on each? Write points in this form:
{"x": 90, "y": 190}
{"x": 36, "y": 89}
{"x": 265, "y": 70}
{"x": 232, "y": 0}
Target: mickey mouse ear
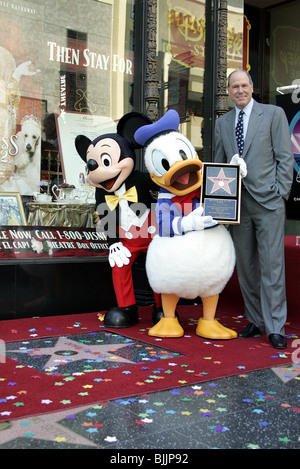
{"x": 82, "y": 143}
{"x": 129, "y": 124}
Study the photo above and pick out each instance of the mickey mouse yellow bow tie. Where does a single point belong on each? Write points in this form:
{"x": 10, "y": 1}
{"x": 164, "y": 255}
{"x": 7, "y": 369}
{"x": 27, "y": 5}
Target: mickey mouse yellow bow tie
{"x": 113, "y": 200}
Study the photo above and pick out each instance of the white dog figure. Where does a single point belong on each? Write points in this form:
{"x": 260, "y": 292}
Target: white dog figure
{"x": 28, "y": 141}
{"x": 26, "y": 177}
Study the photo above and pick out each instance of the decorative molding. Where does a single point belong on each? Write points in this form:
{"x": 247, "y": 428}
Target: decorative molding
{"x": 221, "y": 104}
{"x": 151, "y": 80}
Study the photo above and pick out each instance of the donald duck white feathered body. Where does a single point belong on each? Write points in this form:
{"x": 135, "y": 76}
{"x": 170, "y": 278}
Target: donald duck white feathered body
{"x": 192, "y": 255}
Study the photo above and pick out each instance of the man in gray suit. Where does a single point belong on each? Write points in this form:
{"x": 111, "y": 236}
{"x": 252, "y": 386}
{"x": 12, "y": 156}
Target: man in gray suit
{"x": 260, "y": 143}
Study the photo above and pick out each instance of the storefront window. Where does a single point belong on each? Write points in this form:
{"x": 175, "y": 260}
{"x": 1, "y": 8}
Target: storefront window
{"x": 284, "y": 45}
{"x": 284, "y": 90}
{"x": 67, "y": 68}
{"x": 181, "y": 52}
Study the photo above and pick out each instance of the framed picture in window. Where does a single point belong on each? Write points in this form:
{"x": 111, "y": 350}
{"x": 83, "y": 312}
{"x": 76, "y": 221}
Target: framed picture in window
{"x": 221, "y": 192}
{"x": 69, "y": 125}
{"x": 11, "y": 209}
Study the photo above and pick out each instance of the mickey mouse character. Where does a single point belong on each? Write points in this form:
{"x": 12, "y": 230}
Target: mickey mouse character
{"x": 123, "y": 199}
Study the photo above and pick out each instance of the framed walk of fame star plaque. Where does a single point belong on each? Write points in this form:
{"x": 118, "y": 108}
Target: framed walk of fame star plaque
{"x": 221, "y": 192}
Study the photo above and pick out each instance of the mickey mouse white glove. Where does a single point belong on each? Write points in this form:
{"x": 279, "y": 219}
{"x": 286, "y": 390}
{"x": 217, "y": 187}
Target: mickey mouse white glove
{"x": 196, "y": 222}
{"x": 236, "y": 159}
{"x": 118, "y": 255}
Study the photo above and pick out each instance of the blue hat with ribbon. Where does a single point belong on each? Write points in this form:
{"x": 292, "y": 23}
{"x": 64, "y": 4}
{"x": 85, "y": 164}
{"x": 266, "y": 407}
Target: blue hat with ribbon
{"x": 170, "y": 121}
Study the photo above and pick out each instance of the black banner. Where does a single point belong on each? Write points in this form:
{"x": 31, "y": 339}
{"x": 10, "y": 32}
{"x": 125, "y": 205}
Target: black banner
{"x": 24, "y": 242}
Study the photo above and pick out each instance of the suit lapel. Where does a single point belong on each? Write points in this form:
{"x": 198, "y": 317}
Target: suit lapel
{"x": 254, "y": 123}
{"x": 230, "y": 121}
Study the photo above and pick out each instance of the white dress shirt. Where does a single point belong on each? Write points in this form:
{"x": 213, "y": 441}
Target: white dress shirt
{"x": 247, "y": 110}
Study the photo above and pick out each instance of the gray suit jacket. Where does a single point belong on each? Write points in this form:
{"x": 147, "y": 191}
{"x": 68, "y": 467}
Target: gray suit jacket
{"x": 267, "y": 152}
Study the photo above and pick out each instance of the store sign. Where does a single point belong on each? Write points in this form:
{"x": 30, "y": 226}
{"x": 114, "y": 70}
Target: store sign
{"x": 187, "y": 36}
{"x": 187, "y": 31}
{"x": 89, "y": 58}
{"x": 32, "y": 242}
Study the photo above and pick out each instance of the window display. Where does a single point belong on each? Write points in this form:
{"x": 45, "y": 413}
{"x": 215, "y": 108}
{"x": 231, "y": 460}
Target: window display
{"x": 59, "y": 71}
{"x": 181, "y": 44}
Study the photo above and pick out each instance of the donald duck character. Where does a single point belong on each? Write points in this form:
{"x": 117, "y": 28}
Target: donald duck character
{"x": 192, "y": 255}
{"x": 124, "y": 198}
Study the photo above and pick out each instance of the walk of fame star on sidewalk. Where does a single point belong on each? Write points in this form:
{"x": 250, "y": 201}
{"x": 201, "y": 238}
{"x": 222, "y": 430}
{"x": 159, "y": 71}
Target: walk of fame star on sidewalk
{"x": 67, "y": 350}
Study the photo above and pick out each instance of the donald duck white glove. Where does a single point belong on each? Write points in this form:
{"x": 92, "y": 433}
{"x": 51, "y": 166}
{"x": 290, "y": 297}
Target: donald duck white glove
{"x": 196, "y": 222}
{"x": 236, "y": 159}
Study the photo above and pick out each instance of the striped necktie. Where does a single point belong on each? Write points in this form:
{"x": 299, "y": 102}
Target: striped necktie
{"x": 239, "y": 133}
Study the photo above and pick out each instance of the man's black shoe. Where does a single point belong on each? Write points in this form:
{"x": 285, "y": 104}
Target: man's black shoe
{"x": 250, "y": 331}
{"x": 277, "y": 341}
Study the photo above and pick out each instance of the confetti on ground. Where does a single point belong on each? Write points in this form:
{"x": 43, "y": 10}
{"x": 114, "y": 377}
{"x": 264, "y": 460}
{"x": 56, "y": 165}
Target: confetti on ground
{"x": 206, "y": 409}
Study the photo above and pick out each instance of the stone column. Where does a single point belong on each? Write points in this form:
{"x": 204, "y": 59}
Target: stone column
{"x": 151, "y": 80}
{"x": 221, "y": 103}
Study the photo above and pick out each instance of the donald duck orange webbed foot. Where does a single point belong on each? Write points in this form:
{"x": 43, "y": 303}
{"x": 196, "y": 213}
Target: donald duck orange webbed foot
{"x": 168, "y": 326}
{"x": 208, "y": 327}
{"x": 212, "y": 329}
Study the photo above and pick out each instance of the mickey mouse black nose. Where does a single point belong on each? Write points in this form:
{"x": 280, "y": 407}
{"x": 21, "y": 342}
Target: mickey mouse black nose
{"x": 92, "y": 165}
